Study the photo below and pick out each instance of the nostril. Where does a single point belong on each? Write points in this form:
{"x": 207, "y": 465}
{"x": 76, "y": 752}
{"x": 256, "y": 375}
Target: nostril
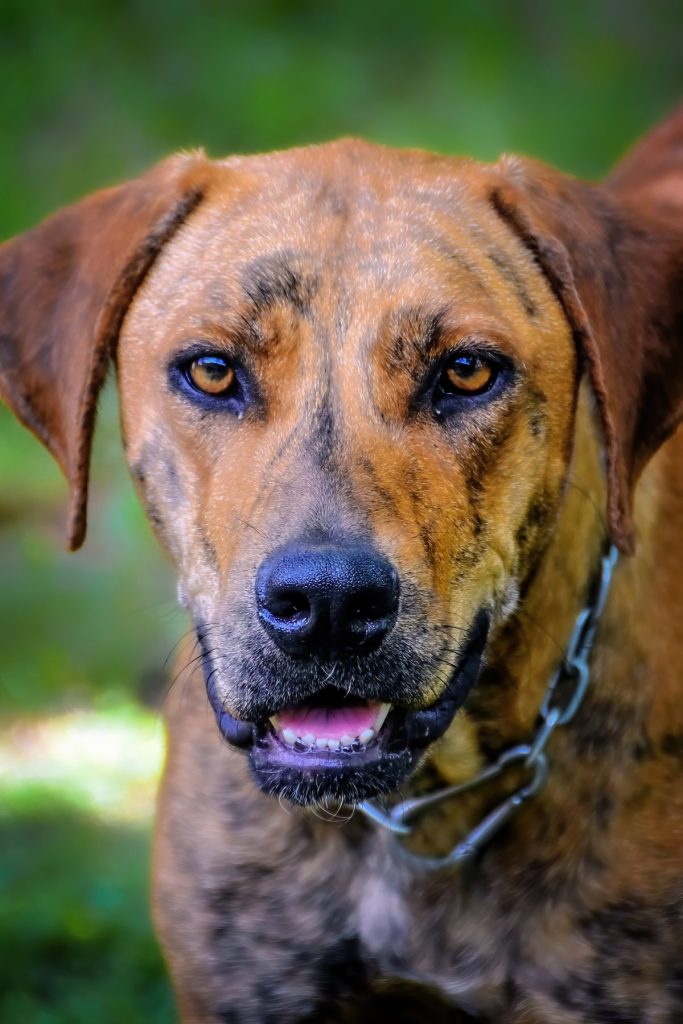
{"x": 289, "y": 606}
{"x": 371, "y": 606}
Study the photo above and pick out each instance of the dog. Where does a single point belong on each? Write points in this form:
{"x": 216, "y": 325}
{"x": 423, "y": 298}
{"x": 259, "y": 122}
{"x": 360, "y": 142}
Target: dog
{"x": 406, "y": 425}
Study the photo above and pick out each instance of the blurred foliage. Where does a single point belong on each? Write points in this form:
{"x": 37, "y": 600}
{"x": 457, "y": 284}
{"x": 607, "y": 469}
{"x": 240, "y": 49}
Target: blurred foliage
{"x": 84, "y": 758}
{"x": 93, "y": 93}
{"x": 75, "y": 934}
{"x": 85, "y": 628}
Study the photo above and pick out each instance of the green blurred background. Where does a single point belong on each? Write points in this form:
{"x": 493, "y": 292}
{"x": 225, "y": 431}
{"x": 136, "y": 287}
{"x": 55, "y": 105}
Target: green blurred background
{"x": 95, "y": 92}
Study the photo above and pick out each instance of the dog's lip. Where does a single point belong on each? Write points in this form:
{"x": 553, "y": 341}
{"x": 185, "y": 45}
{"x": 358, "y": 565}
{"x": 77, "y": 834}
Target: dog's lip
{"x": 404, "y": 728}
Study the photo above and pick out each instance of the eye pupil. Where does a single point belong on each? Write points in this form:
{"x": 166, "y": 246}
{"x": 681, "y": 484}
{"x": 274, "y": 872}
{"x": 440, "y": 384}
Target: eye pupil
{"x": 211, "y": 374}
{"x": 213, "y": 367}
{"x": 467, "y": 375}
{"x": 467, "y": 365}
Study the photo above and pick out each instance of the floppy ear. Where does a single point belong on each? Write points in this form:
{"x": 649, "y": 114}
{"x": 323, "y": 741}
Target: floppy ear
{"x": 615, "y": 261}
{"x": 65, "y": 287}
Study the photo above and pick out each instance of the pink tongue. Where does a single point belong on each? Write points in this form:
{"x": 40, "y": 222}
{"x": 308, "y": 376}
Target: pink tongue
{"x": 331, "y": 723}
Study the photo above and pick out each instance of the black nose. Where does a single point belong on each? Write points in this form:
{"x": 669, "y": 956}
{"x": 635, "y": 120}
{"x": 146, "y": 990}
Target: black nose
{"x": 330, "y": 600}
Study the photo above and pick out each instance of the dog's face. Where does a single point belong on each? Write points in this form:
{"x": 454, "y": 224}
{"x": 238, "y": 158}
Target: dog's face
{"x": 347, "y": 395}
{"x": 348, "y": 379}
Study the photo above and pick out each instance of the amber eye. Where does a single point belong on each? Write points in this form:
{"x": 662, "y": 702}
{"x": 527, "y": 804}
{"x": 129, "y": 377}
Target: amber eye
{"x": 211, "y": 374}
{"x": 468, "y": 375}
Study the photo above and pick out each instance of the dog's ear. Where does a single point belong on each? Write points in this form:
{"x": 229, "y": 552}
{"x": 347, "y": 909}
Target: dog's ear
{"x": 652, "y": 172}
{"x": 614, "y": 258}
{"x": 65, "y": 287}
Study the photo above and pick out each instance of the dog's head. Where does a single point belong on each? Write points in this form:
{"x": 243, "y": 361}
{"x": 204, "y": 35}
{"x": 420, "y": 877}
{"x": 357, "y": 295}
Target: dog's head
{"x": 348, "y": 381}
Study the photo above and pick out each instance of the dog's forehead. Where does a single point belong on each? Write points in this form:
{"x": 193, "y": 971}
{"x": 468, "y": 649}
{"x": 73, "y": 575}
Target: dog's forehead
{"x": 342, "y": 200}
{"x": 349, "y": 230}
{"x": 336, "y": 172}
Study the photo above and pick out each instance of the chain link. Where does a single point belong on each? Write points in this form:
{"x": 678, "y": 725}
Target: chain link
{"x": 562, "y": 700}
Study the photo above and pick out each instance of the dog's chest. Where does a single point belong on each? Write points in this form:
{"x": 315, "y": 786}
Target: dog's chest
{"x": 487, "y": 949}
{"x": 283, "y": 915}
{"x": 433, "y": 935}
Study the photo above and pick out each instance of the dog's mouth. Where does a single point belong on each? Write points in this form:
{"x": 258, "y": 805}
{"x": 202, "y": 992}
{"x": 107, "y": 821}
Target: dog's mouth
{"x": 339, "y": 746}
{"x": 331, "y": 722}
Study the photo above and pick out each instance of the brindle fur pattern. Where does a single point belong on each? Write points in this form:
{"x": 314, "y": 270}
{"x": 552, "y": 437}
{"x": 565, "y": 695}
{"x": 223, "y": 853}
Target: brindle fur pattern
{"x": 573, "y": 915}
{"x": 337, "y": 276}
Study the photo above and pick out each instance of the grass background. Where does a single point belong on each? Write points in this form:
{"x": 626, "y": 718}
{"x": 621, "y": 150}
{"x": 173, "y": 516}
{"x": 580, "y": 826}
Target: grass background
{"x": 91, "y": 94}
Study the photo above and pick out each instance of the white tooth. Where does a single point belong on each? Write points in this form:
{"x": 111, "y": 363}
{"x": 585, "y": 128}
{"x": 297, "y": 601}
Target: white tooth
{"x": 381, "y": 717}
{"x": 321, "y": 743}
{"x": 289, "y": 736}
{"x": 346, "y": 741}
{"x": 365, "y": 736}
{"x": 308, "y": 739}
{"x": 334, "y": 744}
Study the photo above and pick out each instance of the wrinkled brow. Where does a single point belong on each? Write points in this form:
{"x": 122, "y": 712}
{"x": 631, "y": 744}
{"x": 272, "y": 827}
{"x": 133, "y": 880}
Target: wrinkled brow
{"x": 416, "y": 331}
{"x": 278, "y": 278}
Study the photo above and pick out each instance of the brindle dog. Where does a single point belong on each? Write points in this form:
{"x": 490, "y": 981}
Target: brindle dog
{"x": 384, "y": 409}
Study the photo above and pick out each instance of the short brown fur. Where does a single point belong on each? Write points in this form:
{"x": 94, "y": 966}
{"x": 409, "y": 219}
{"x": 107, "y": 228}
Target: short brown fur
{"x": 338, "y": 276}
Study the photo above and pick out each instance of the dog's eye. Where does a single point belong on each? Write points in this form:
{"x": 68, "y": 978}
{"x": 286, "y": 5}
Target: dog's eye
{"x": 215, "y": 382}
{"x": 467, "y": 375}
{"x": 465, "y": 379}
{"x": 211, "y": 375}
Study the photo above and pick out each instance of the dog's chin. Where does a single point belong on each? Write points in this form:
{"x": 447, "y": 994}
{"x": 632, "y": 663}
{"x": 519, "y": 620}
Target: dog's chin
{"x": 321, "y": 776}
{"x": 343, "y": 748}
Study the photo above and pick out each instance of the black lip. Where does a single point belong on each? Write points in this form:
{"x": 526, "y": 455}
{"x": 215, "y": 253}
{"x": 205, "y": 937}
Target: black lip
{"x": 304, "y": 776}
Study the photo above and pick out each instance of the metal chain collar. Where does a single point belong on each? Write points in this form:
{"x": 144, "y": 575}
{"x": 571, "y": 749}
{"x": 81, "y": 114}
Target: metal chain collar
{"x": 561, "y": 702}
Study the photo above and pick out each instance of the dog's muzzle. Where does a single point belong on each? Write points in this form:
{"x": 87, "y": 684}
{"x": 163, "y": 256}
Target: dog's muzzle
{"x": 337, "y": 745}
